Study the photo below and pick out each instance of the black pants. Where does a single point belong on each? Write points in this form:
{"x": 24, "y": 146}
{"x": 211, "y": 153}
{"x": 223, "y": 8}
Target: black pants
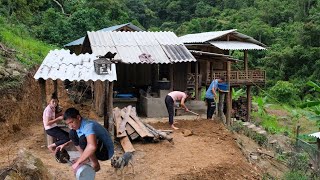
{"x": 61, "y": 135}
{"x": 169, "y": 104}
{"x": 210, "y": 108}
{"x": 101, "y": 152}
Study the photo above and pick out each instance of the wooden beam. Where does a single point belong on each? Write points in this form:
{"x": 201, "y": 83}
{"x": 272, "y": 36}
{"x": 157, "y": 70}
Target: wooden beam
{"x": 117, "y": 116}
{"x": 126, "y": 144}
{"x": 134, "y": 124}
{"x": 134, "y": 116}
{"x": 105, "y": 105}
{"x": 197, "y": 81}
{"x": 110, "y": 111}
{"x": 248, "y": 103}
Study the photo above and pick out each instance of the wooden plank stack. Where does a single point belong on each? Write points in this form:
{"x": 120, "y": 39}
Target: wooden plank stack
{"x": 129, "y": 127}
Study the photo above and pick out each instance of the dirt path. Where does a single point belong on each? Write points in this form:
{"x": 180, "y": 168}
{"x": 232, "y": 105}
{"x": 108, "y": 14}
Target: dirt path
{"x": 210, "y": 153}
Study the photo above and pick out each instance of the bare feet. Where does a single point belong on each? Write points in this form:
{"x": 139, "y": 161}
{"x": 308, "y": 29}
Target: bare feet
{"x": 52, "y": 148}
{"x": 173, "y": 127}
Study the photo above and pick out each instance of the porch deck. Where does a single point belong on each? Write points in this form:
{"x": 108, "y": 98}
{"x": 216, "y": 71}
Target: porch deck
{"x": 240, "y": 77}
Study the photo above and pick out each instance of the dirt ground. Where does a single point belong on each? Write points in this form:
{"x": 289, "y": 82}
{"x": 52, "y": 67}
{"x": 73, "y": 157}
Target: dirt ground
{"x": 210, "y": 153}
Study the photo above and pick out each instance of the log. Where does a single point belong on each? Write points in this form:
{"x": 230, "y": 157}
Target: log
{"x": 126, "y": 144}
{"x": 118, "y": 119}
{"x": 125, "y": 116}
{"x": 162, "y": 135}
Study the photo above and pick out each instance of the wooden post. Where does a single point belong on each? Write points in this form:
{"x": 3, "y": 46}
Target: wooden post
{"x": 248, "y": 103}
{"x": 229, "y": 96}
{"x": 211, "y": 72}
{"x": 55, "y": 87}
{"x": 105, "y": 105}
{"x": 197, "y": 81}
{"x": 297, "y": 135}
{"x": 42, "y": 84}
{"x": 110, "y": 111}
{"x": 220, "y": 105}
{"x": 246, "y": 62}
{"x": 171, "y": 76}
{"x": 229, "y": 108}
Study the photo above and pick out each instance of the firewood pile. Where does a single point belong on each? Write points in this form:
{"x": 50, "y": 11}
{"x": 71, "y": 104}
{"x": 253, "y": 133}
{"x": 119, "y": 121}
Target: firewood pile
{"x": 240, "y": 108}
{"x": 129, "y": 127}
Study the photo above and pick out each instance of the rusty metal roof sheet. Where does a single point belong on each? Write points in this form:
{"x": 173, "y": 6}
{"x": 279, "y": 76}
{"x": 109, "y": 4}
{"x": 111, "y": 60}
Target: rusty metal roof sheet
{"x": 236, "y": 45}
{"x": 60, "y": 64}
{"x": 206, "y": 37}
{"x": 140, "y": 47}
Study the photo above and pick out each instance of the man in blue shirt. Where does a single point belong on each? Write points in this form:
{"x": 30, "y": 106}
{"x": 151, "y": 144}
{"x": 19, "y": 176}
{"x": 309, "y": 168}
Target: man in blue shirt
{"x": 211, "y": 96}
{"x": 90, "y": 138}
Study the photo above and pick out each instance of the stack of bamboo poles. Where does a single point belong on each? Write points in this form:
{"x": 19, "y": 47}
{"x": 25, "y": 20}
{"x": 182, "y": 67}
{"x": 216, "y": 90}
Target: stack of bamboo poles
{"x": 129, "y": 127}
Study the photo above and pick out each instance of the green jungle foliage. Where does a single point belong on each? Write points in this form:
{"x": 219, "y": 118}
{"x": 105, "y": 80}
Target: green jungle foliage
{"x": 289, "y": 28}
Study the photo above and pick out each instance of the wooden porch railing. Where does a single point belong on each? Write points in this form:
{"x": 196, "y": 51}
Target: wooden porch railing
{"x": 240, "y": 77}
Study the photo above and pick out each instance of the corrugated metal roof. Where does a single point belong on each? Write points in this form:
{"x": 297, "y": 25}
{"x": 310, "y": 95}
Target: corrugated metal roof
{"x": 163, "y": 47}
{"x": 236, "y": 45}
{"x": 316, "y": 135}
{"x": 112, "y": 28}
{"x": 212, "y": 36}
{"x": 60, "y": 64}
{"x": 204, "y": 37}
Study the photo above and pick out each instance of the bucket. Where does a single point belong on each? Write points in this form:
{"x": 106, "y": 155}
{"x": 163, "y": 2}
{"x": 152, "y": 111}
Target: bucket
{"x": 224, "y": 87}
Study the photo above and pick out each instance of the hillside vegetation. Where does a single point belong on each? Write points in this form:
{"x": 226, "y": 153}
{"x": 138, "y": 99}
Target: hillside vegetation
{"x": 289, "y": 28}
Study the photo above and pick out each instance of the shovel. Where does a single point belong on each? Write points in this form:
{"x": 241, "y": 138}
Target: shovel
{"x": 84, "y": 172}
{"x": 194, "y": 113}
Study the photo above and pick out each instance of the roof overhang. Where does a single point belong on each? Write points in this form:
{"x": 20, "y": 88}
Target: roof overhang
{"x": 236, "y": 45}
{"x": 214, "y": 56}
{"x": 60, "y": 64}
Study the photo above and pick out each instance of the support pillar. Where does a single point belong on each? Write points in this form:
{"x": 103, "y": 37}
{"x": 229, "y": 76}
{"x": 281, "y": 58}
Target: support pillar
{"x": 110, "y": 111}
{"x": 105, "y": 105}
{"x": 197, "y": 81}
{"x": 229, "y": 96}
{"x": 246, "y": 63}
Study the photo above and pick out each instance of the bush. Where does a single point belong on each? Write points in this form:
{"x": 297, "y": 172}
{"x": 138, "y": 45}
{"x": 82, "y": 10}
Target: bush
{"x": 284, "y": 92}
{"x": 295, "y": 175}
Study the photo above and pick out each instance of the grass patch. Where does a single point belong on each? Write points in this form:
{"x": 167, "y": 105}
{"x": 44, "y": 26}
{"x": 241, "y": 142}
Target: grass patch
{"x": 29, "y": 51}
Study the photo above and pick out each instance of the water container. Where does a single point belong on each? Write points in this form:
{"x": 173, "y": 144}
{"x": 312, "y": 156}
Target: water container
{"x": 224, "y": 87}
